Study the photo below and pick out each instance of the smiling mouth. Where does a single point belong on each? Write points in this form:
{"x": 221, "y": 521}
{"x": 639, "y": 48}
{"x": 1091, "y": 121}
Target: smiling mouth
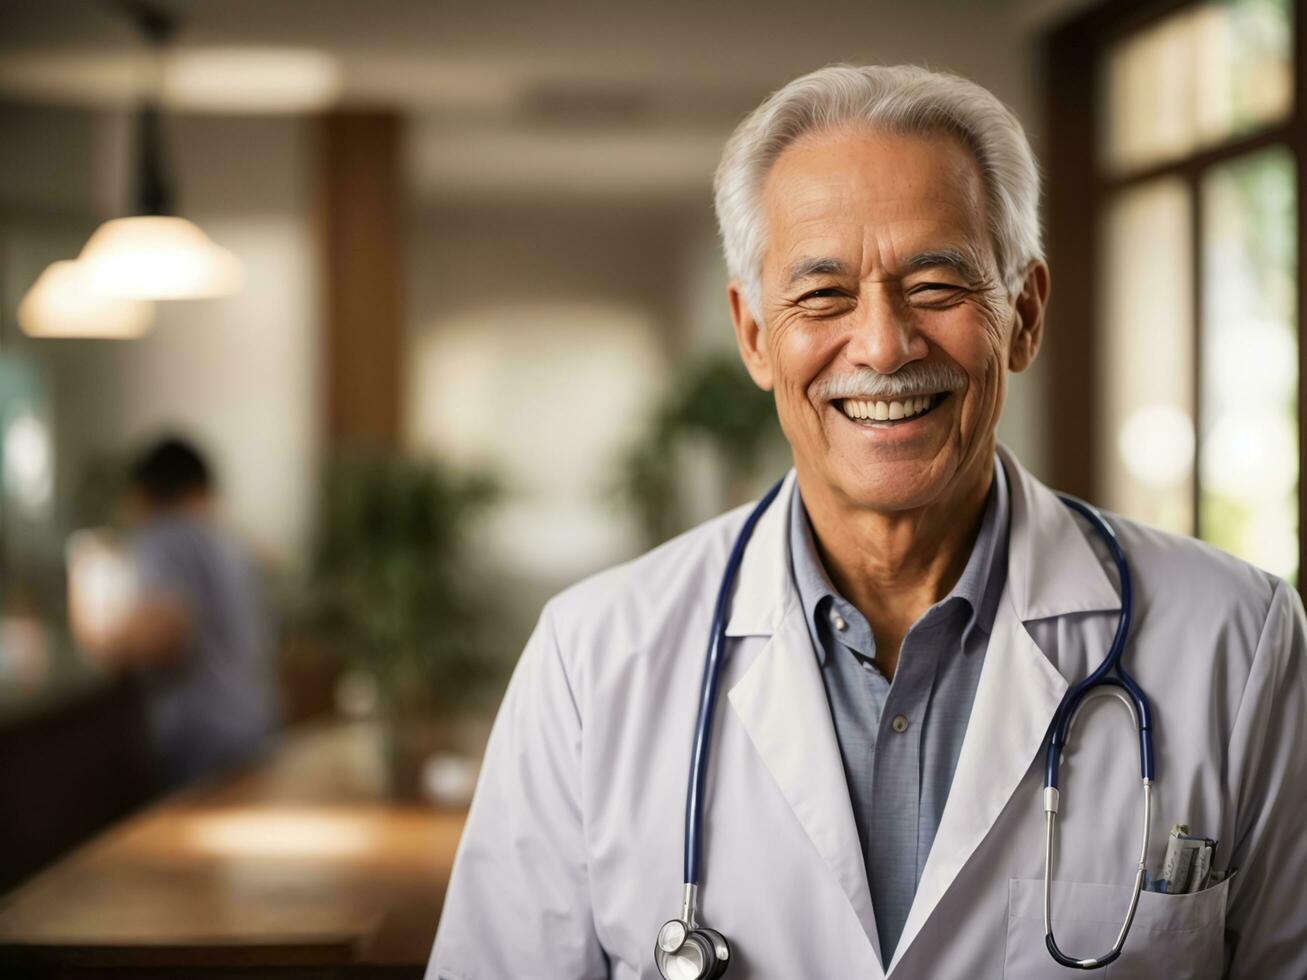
{"x": 890, "y": 413}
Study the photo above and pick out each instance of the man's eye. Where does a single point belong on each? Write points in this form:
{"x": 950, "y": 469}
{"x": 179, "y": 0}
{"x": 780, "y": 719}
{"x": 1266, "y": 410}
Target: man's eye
{"x": 936, "y": 291}
{"x": 829, "y": 292}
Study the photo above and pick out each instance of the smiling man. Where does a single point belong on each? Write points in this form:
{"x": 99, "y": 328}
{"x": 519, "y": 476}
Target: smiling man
{"x": 899, "y": 625}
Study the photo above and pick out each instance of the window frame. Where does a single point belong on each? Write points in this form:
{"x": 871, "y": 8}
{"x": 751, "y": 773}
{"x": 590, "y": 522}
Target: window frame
{"x": 1073, "y": 53}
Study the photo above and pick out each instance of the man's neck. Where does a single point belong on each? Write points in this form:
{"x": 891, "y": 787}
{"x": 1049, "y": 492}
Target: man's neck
{"x": 895, "y": 565}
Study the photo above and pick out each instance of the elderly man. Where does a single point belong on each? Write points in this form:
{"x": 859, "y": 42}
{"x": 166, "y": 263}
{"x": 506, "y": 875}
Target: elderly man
{"x": 906, "y": 617}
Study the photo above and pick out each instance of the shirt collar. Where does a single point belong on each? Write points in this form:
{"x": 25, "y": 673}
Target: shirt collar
{"x": 980, "y": 585}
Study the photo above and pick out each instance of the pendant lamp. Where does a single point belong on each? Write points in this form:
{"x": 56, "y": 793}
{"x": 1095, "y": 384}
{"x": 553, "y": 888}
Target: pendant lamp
{"x": 156, "y": 254}
{"x": 63, "y": 303}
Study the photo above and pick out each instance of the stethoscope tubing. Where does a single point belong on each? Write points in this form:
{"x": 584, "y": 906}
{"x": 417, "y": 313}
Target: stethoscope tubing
{"x": 1110, "y": 678}
{"x": 708, "y": 693}
{"x": 1111, "y": 663}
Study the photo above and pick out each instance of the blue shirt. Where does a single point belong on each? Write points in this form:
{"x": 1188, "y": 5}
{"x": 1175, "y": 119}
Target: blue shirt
{"x": 216, "y": 706}
{"x": 900, "y": 741}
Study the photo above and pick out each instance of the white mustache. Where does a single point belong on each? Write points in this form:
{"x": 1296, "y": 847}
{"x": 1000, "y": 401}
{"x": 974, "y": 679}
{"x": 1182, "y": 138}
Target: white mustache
{"x": 911, "y": 379}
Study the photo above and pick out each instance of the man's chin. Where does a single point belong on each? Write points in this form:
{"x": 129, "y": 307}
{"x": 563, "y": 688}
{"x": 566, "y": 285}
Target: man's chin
{"x": 893, "y": 485}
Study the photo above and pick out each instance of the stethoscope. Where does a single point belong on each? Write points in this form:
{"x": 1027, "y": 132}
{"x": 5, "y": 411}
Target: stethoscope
{"x": 686, "y": 950}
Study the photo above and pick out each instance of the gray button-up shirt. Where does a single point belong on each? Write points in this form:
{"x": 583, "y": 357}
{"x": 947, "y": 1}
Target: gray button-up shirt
{"x": 900, "y": 741}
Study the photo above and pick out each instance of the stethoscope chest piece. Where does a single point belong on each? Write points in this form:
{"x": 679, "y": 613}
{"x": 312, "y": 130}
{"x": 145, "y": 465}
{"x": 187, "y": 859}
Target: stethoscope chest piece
{"x": 683, "y": 953}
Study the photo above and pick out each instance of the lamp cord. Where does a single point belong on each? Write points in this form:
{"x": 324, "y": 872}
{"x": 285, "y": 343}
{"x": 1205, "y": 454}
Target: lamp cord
{"x": 153, "y": 191}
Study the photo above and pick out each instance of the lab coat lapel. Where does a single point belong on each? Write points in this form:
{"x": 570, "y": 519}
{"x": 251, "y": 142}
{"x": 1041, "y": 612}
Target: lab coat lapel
{"x": 1052, "y": 570}
{"x": 1053, "y": 560}
{"x": 781, "y": 702}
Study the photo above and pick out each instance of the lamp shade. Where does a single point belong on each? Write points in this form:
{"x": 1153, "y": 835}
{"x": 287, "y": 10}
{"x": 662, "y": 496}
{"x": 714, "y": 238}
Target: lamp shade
{"x": 157, "y": 257}
{"x": 63, "y": 303}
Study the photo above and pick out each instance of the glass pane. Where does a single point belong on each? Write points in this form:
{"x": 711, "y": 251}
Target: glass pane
{"x": 1150, "y": 97}
{"x": 1146, "y": 363}
{"x": 1195, "y": 78}
{"x": 1244, "y": 67}
{"x": 1249, "y": 447}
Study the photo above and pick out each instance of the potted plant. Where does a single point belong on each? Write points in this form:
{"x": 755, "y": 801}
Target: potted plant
{"x": 710, "y": 402}
{"x": 394, "y": 592}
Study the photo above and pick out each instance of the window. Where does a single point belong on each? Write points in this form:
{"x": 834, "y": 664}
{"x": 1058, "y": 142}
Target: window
{"x": 1176, "y": 361}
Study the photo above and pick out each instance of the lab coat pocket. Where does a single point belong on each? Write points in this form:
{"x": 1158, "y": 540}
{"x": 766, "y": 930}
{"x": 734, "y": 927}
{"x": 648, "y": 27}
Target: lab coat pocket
{"x": 1179, "y": 937}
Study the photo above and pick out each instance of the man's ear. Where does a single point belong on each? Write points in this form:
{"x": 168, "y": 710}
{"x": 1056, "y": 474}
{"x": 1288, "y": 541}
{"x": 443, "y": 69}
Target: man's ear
{"x": 1028, "y": 331}
{"x": 749, "y": 337}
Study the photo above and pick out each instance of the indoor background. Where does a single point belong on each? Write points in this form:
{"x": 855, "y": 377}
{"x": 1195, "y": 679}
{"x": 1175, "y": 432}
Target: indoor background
{"x": 472, "y": 345}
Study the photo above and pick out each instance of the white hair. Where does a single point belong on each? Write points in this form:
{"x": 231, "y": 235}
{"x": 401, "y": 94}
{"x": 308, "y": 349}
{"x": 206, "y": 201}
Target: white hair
{"x": 902, "y": 99}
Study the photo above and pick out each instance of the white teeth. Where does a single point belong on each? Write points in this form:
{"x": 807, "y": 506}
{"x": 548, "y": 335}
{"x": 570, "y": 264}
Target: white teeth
{"x": 886, "y": 411}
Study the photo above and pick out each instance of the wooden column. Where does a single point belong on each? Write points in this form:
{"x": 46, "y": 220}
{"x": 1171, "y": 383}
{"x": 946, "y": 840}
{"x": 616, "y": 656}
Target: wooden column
{"x": 360, "y": 232}
{"x": 1072, "y": 52}
{"x": 1070, "y": 79}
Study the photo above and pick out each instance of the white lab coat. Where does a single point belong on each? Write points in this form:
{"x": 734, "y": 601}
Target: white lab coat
{"x": 571, "y": 859}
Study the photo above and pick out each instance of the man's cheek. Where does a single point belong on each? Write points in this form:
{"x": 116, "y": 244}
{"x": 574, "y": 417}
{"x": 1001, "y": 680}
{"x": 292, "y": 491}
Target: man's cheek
{"x": 793, "y": 402}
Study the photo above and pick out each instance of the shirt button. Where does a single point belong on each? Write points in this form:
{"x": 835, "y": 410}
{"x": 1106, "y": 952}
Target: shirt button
{"x": 899, "y": 724}
{"x": 838, "y": 621}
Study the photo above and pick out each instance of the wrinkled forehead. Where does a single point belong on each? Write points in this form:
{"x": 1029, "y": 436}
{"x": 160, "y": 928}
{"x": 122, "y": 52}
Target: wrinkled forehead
{"x": 870, "y": 191}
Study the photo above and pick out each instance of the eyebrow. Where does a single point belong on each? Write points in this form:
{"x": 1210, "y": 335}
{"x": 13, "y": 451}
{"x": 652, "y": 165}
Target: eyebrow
{"x": 953, "y": 259}
{"x": 807, "y": 268}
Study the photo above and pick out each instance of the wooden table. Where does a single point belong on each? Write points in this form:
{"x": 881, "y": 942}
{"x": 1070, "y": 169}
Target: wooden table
{"x": 298, "y": 867}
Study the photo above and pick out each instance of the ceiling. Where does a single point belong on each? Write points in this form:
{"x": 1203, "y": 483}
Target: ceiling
{"x": 600, "y": 95}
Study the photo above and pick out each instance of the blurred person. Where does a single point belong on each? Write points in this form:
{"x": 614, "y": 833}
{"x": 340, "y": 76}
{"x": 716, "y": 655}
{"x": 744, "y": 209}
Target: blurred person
{"x": 870, "y": 788}
{"x": 194, "y": 622}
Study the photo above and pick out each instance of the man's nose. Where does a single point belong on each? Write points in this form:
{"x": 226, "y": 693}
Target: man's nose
{"x": 884, "y": 338}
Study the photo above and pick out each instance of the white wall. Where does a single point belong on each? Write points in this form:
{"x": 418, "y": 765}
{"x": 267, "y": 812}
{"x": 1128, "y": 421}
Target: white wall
{"x": 539, "y": 337}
